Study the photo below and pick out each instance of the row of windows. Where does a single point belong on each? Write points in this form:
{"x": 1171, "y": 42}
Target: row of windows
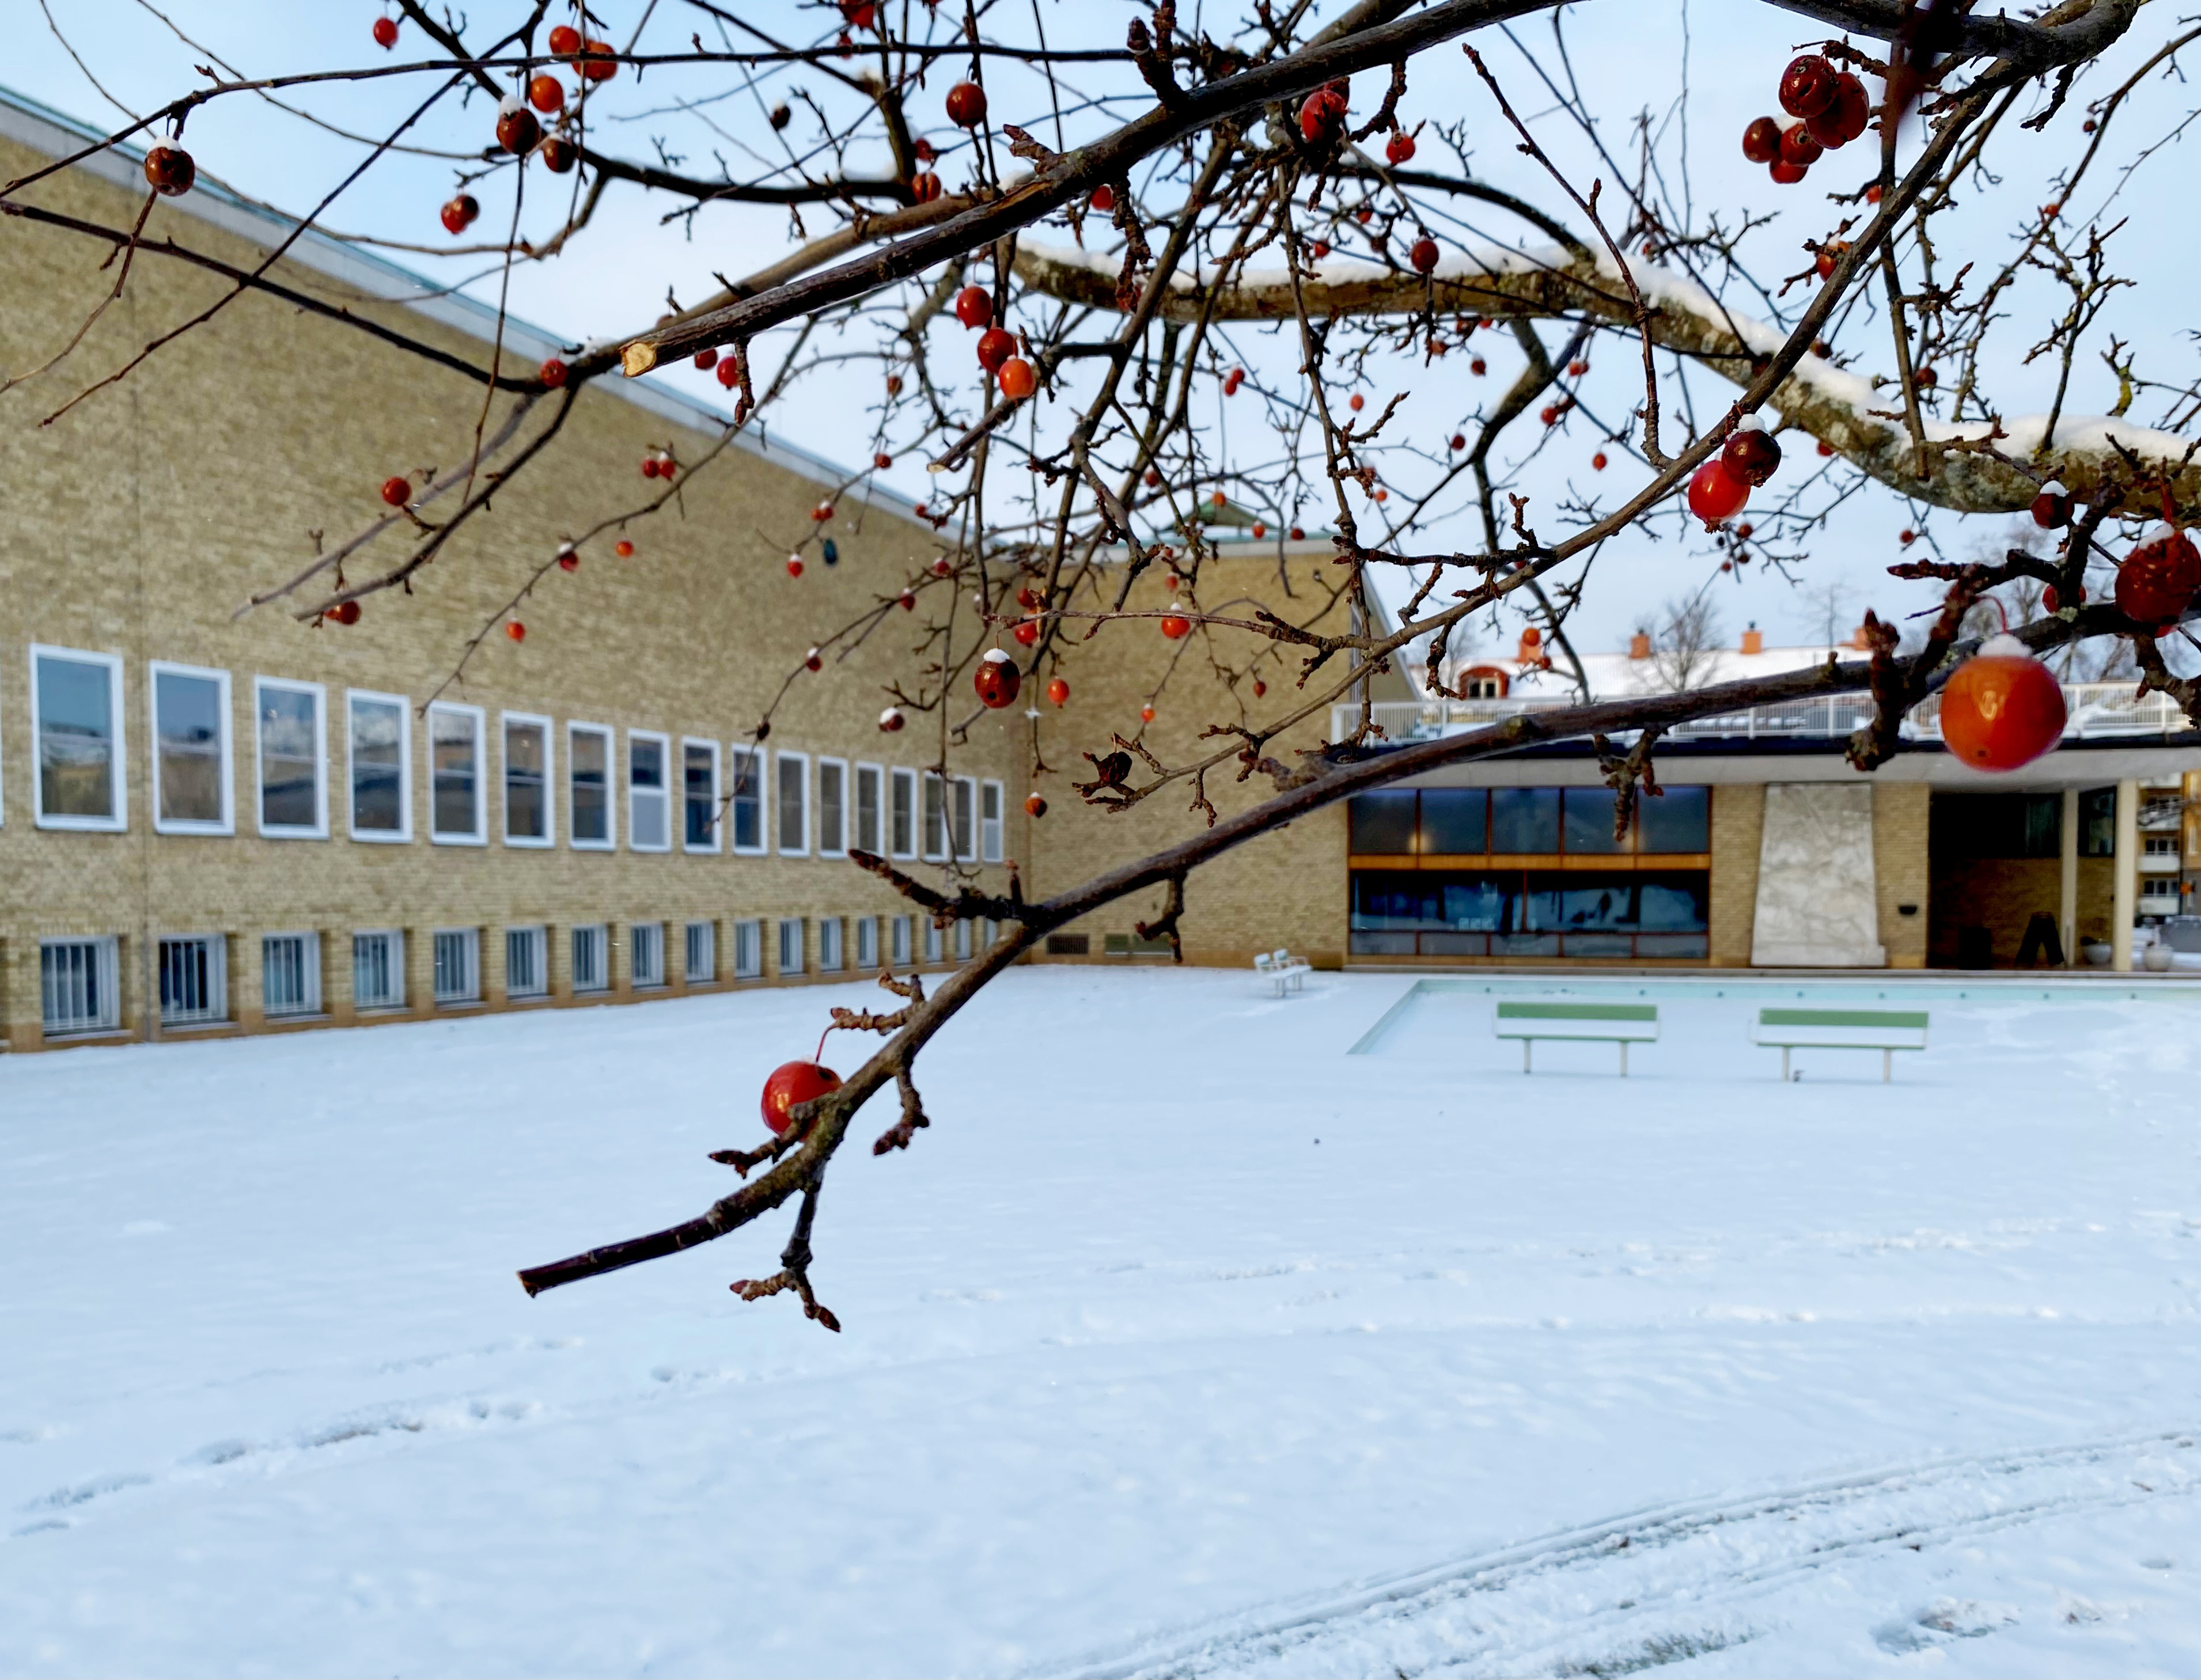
{"x": 739, "y": 799}
{"x": 79, "y": 979}
{"x": 1546, "y": 822}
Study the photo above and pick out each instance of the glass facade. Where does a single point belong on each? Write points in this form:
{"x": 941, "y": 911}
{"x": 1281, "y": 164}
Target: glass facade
{"x": 1492, "y": 873}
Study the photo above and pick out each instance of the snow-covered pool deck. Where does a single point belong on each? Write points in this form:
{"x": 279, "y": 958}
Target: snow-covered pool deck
{"x": 1184, "y": 1340}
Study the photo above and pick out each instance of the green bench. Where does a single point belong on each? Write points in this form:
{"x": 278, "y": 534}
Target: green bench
{"x": 1622, "y": 1024}
{"x": 1884, "y": 1030}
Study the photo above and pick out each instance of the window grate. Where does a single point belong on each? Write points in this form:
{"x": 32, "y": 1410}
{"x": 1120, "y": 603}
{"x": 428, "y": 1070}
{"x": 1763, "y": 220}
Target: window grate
{"x": 76, "y": 986}
{"x": 527, "y": 966}
{"x": 898, "y": 940}
{"x": 377, "y": 970}
{"x": 867, "y": 942}
{"x": 790, "y": 945}
{"x": 829, "y": 943}
{"x": 591, "y": 971}
{"x": 702, "y": 954}
{"x": 645, "y": 951}
{"x": 291, "y": 973}
{"x": 458, "y": 966}
{"x": 192, "y": 992}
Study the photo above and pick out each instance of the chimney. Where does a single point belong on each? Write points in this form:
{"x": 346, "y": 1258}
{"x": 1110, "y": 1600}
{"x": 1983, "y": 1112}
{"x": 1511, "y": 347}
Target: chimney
{"x": 1639, "y": 645}
{"x": 1531, "y": 650}
{"x": 1858, "y": 638}
{"x": 1753, "y": 640}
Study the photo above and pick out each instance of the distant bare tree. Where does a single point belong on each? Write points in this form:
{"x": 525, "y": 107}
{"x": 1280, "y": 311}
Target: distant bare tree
{"x": 1686, "y": 649}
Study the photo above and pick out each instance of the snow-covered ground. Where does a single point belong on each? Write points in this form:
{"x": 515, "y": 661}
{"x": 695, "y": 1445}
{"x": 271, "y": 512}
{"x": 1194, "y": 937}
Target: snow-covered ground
{"x": 1184, "y": 1342}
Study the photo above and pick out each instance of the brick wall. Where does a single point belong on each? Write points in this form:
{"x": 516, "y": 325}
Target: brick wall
{"x": 1285, "y": 888}
{"x": 137, "y": 525}
{"x": 1738, "y": 826}
{"x": 1899, "y": 869}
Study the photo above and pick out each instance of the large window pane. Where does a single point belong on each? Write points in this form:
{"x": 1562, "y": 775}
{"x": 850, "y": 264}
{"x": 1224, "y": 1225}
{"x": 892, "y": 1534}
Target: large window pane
{"x": 290, "y": 756}
{"x": 935, "y": 817}
{"x": 377, "y": 766}
{"x": 700, "y": 795}
{"x": 1588, "y": 824}
{"x": 187, "y": 718}
{"x": 76, "y": 738}
{"x": 966, "y": 818}
{"x": 794, "y": 812}
{"x": 832, "y": 808}
{"x": 588, "y": 777}
{"x": 867, "y": 809}
{"x": 1382, "y": 822}
{"x": 526, "y": 791}
{"x": 1454, "y": 819}
{"x": 1524, "y": 819}
{"x": 454, "y": 742}
{"x": 649, "y": 823}
{"x": 747, "y": 772}
{"x": 903, "y": 830}
{"x": 1680, "y": 820}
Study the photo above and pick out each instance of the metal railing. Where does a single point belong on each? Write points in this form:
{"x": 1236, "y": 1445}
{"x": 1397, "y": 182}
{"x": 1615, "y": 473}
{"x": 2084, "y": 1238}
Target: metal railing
{"x": 2095, "y": 708}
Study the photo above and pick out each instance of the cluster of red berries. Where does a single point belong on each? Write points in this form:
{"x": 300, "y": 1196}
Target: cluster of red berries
{"x": 1828, "y": 108}
{"x": 1718, "y": 488}
{"x": 659, "y": 464}
{"x": 997, "y": 346}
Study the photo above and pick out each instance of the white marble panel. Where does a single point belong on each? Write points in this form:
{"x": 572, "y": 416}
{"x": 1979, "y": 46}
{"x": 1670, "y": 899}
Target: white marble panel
{"x": 1817, "y": 908}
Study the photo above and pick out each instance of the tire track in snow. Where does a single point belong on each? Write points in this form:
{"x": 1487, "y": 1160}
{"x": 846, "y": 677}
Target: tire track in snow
{"x": 1658, "y": 1584}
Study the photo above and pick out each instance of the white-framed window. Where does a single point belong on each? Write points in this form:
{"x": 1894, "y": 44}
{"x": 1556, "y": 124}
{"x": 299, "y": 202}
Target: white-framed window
{"x": 962, "y": 941}
{"x": 699, "y": 794}
{"x": 193, "y": 978}
{"x": 749, "y": 950}
{"x": 870, "y": 810}
{"x": 898, "y": 940}
{"x": 457, "y": 814}
{"x": 648, "y": 799}
{"x": 591, "y": 818}
{"x": 791, "y": 804}
{"x": 378, "y": 730}
{"x": 934, "y": 949}
{"x": 645, "y": 953}
{"x": 790, "y": 945}
{"x": 700, "y": 964}
{"x": 291, "y": 973}
{"x": 867, "y": 942}
{"x": 745, "y": 770}
{"x": 990, "y": 801}
{"x": 901, "y": 817}
{"x": 292, "y": 757}
{"x": 935, "y": 818}
{"x": 526, "y": 963}
{"x": 78, "y": 991}
{"x": 829, "y": 943}
{"x": 76, "y": 726}
{"x": 832, "y": 808}
{"x": 528, "y": 779}
{"x": 592, "y": 967}
{"x": 458, "y": 965}
{"x": 378, "y": 969}
{"x": 191, "y": 749}
{"x": 966, "y": 819}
